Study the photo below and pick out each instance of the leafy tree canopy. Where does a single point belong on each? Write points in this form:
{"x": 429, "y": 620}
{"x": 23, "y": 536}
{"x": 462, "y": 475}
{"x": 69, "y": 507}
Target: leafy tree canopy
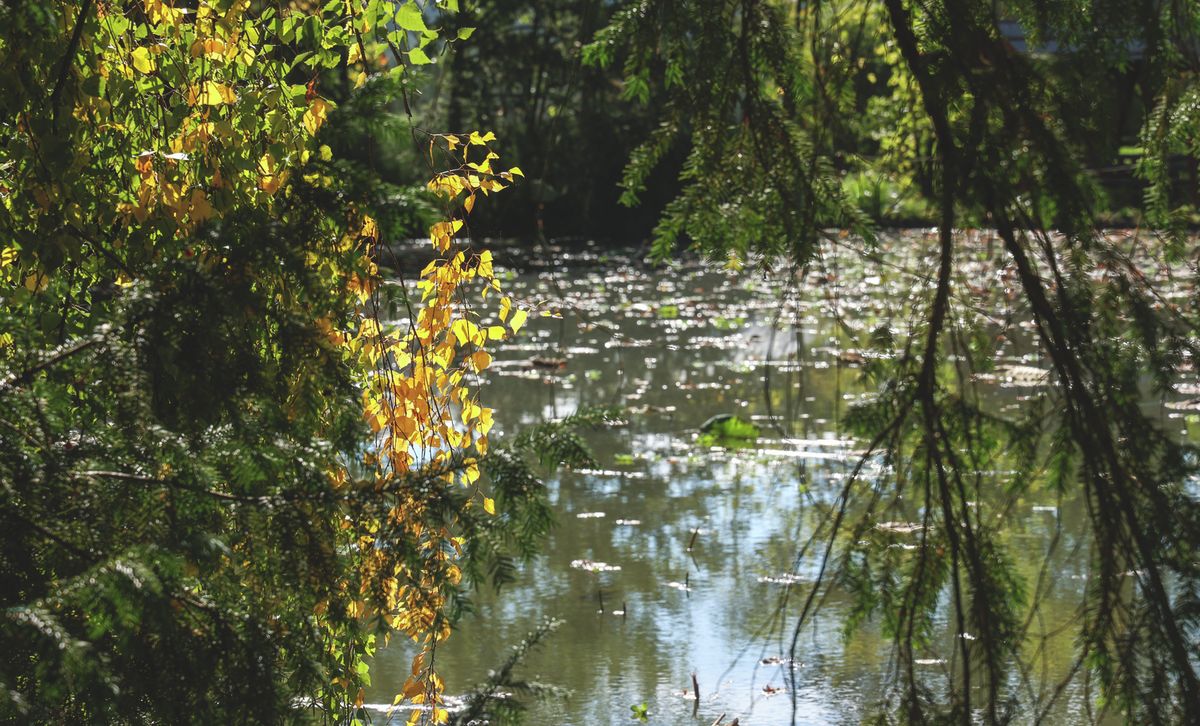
{"x": 226, "y": 477}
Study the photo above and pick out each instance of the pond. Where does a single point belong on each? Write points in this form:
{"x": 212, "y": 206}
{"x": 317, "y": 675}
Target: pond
{"x": 672, "y": 557}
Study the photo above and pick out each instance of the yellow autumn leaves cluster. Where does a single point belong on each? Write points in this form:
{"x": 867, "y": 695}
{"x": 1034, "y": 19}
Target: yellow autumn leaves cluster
{"x": 464, "y": 182}
{"x": 200, "y": 60}
{"x": 418, "y": 399}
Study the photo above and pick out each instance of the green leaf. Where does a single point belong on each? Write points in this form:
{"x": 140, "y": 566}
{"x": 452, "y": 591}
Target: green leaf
{"x": 464, "y": 33}
{"x": 409, "y": 17}
{"x": 417, "y": 57}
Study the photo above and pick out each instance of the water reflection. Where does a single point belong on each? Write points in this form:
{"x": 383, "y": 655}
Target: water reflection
{"x": 670, "y": 559}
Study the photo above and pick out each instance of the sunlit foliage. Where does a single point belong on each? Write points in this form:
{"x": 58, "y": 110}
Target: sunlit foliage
{"x": 226, "y": 476}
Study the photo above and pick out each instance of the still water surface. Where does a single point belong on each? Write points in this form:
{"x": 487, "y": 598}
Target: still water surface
{"x": 670, "y": 558}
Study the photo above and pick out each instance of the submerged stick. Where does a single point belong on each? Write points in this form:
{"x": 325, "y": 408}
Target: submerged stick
{"x": 696, "y": 693}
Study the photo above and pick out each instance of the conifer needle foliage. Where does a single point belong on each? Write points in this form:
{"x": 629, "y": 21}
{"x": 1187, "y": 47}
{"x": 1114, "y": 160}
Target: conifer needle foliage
{"x": 774, "y": 102}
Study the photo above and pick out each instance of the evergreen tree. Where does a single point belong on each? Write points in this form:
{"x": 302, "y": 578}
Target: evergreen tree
{"x": 768, "y": 98}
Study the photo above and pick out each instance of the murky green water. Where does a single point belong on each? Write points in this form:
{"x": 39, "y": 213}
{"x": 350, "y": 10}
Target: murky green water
{"x": 642, "y": 610}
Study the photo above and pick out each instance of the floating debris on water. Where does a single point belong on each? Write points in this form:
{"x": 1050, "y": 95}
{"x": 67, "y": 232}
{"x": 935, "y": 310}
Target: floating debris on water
{"x": 452, "y": 704}
{"x": 592, "y": 566}
{"x": 643, "y": 410}
{"x": 788, "y": 579}
{"x": 612, "y": 472}
{"x": 628, "y": 343}
{"x": 1183, "y": 405}
{"x": 805, "y": 454}
{"x": 807, "y": 443}
{"x": 1016, "y": 376}
{"x": 629, "y": 522}
{"x": 899, "y": 527}
{"x": 590, "y": 515}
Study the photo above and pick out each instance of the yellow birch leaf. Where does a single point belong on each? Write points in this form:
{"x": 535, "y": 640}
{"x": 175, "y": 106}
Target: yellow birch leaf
{"x": 270, "y": 178}
{"x": 471, "y": 472}
{"x": 316, "y": 114}
{"x": 142, "y": 60}
{"x": 369, "y": 229}
{"x": 201, "y": 208}
{"x": 481, "y": 359}
{"x": 159, "y": 12}
{"x": 489, "y": 506}
{"x": 412, "y": 687}
{"x": 174, "y": 200}
{"x": 210, "y": 93}
{"x": 207, "y": 47}
{"x": 470, "y": 411}
{"x": 37, "y": 282}
{"x": 464, "y": 330}
{"x": 518, "y": 319}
